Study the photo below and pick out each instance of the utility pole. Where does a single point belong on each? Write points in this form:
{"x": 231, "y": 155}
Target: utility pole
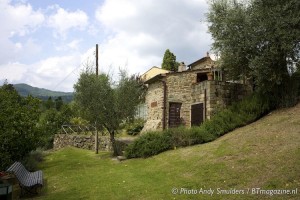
{"x": 97, "y": 59}
{"x": 96, "y": 139}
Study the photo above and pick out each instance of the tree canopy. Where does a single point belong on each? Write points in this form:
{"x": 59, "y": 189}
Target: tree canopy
{"x": 105, "y": 103}
{"x": 18, "y": 131}
{"x": 258, "y": 40}
{"x": 169, "y": 61}
{"x": 27, "y": 123}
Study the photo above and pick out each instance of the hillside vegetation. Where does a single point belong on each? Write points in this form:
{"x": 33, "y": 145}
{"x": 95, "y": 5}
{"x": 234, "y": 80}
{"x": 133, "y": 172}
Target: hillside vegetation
{"x": 25, "y": 90}
{"x": 264, "y": 154}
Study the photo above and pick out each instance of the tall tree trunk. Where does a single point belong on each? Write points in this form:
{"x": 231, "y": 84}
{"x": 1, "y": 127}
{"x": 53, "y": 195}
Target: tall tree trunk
{"x": 113, "y": 143}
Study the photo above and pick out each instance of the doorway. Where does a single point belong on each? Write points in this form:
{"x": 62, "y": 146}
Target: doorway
{"x": 174, "y": 115}
{"x": 197, "y": 114}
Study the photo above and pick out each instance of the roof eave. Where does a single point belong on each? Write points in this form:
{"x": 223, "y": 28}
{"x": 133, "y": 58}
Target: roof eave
{"x": 154, "y": 79}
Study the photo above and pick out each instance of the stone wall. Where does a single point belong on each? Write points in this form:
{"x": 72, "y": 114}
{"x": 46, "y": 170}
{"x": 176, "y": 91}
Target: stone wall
{"x": 154, "y": 103}
{"x": 180, "y": 90}
{"x": 81, "y": 141}
{"x": 221, "y": 94}
{"x": 184, "y": 89}
{"x": 205, "y": 64}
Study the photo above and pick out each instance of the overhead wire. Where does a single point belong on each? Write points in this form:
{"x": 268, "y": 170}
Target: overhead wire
{"x": 74, "y": 70}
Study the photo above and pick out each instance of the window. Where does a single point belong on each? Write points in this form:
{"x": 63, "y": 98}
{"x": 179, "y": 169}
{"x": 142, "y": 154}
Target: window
{"x": 201, "y": 77}
{"x": 218, "y": 75}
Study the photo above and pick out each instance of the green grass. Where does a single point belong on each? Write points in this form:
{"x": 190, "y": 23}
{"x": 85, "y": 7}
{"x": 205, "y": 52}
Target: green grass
{"x": 264, "y": 154}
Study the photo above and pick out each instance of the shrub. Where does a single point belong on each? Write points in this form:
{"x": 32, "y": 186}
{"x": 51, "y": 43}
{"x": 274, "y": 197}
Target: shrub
{"x": 179, "y": 136}
{"x": 134, "y": 127}
{"x": 292, "y": 91}
{"x": 252, "y": 107}
{"x": 223, "y": 122}
{"x": 50, "y": 123}
{"x": 32, "y": 160}
{"x": 120, "y": 146}
{"x": 150, "y": 144}
{"x": 50, "y": 143}
{"x": 18, "y": 132}
{"x": 237, "y": 115}
{"x": 46, "y": 142}
{"x": 200, "y": 135}
{"x": 79, "y": 121}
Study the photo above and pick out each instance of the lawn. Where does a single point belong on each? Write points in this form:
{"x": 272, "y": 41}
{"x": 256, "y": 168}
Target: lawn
{"x": 264, "y": 154}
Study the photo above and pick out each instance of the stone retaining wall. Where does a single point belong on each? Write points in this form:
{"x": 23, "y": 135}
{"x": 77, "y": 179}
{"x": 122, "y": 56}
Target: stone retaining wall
{"x": 81, "y": 141}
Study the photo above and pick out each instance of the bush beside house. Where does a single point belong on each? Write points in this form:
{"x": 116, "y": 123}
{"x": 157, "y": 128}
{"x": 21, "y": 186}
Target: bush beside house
{"x": 237, "y": 115}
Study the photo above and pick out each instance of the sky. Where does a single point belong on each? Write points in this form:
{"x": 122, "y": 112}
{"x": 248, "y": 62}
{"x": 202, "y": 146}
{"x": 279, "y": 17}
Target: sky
{"x": 47, "y": 43}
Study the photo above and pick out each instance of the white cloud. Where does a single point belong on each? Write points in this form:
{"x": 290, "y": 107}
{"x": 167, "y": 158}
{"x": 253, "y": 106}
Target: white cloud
{"x": 62, "y": 21}
{"x": 19, "y": 19}
{"x": 140, "y": 31}
{"x": 16, "y": 20}
{"x": 31, "y": 48}
{"x": 72, "y": 46}
{"x": 137, "y": 34}
{"x": 18, "y": 45}
{"x": 12, "y": 71}
{"x": 115, "y": 53}
{"x": 114, "y": 11}
{"x": 56, "y": 73}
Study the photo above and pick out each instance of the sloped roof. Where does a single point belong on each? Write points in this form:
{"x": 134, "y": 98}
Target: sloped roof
{"x": 201, "y": 60}
{"x": 155, "y": 78}
{"x": 154, "y": 67}
{"x": 152, "y": 72}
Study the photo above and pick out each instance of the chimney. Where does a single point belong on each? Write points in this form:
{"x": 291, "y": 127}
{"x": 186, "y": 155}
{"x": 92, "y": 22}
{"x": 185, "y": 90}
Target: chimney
{"x": 207, "y": 54}
{"x": 181, "y": 67}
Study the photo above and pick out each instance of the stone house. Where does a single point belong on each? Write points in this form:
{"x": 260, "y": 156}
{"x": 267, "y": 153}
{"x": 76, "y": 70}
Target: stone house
{"x": 141, "y": 109}
{"x": 190, "y": 96}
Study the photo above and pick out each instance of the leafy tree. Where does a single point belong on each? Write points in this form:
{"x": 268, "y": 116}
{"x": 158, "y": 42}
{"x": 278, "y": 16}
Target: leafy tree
{"x": 58, "y": 103}
{"x": 78, "y": 121}
{"x": 106, "y": 104}
{"x": 279, "y": 45}
{"x": 259, "y": 40}
{"x": 50, "y": 123}
{"x": 18, "y": 132}
{"x": 129, "y": 92}
{"x": 49, "y": 103}
{"x": 229, "y": 26}
{"x": 169, "y": 61}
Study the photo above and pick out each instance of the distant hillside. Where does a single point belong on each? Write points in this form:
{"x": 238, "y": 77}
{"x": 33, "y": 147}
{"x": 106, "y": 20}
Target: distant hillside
{"x": 44, "y": 94}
